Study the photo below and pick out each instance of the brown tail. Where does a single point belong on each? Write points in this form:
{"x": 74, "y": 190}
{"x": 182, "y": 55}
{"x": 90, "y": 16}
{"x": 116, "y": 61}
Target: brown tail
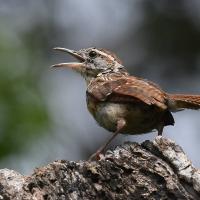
{"x": 181, "y": 101}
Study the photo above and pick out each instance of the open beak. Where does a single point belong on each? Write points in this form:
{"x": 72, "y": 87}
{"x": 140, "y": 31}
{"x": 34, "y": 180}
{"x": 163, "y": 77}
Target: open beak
{"x": 73, "y": 65}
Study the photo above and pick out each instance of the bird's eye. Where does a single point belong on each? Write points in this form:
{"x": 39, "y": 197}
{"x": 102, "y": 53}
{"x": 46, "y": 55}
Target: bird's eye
{"x": 92, "y": 54}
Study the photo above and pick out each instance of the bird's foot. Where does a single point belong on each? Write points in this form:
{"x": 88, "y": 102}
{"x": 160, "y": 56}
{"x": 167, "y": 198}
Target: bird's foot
{"x": 95, "y": 156}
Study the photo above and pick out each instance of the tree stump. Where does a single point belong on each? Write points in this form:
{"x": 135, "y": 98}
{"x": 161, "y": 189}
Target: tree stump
{"x": 151, "y": 170}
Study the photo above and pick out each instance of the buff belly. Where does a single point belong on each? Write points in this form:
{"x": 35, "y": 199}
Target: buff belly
{"x": 139, "y": 118}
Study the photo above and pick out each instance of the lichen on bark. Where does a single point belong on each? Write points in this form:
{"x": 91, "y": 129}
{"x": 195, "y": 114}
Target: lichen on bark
{"x": 151, "y": 170}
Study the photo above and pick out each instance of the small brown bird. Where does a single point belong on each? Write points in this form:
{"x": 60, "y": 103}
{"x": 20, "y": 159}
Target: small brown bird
{"x": 122, "y": 103}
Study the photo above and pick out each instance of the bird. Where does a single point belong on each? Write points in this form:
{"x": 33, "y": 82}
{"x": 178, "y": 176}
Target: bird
{"x": 122, "y": 103}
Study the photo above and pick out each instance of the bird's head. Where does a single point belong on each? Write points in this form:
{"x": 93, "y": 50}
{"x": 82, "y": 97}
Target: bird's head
{"x": 92, "y": 61}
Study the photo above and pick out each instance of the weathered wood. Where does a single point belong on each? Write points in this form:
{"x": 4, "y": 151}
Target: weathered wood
{"x": 152, "y": 170}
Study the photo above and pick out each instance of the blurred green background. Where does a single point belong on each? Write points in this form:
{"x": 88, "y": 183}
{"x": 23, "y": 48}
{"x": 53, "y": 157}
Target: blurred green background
{"x": 43, "y": 114}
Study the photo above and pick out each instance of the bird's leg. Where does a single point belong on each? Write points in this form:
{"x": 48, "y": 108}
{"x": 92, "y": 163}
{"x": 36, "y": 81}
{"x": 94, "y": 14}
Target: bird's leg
{"x": 120, "y": 125}
{"x": 160, "y": 129}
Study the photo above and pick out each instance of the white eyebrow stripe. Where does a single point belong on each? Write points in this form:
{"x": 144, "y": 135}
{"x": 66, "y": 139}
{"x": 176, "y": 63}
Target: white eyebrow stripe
{"x": 105, "y": 54}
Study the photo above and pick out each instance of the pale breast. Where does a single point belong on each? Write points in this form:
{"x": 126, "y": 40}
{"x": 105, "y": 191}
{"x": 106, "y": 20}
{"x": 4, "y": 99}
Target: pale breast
{"x": 108, "y": 114}
{"x": 138, "y": 119}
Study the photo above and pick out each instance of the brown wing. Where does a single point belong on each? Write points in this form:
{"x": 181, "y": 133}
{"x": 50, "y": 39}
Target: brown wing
{"x": 128, "y": 89}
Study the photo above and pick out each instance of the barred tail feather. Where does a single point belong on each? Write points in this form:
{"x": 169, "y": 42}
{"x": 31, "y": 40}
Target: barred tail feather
{"x": 181, "y": 101}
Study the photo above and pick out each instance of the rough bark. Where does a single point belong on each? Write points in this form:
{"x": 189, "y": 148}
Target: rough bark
{"x": 151, "y": 170}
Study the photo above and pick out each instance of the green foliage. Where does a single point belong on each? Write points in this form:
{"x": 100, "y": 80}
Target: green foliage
{"x": 23, "y": 113}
